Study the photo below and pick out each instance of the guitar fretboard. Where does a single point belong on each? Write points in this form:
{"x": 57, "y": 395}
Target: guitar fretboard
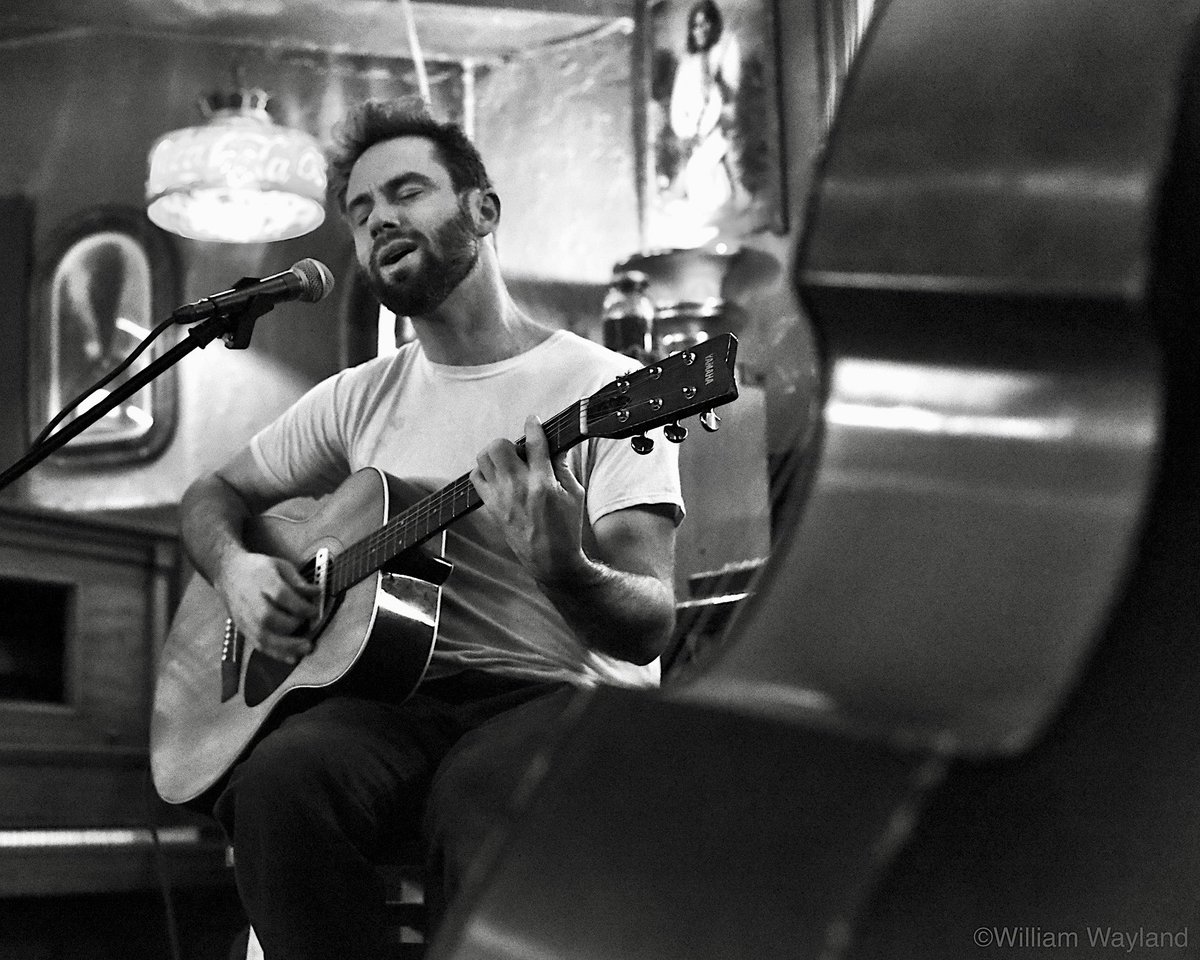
{"x": 434, "y": 513}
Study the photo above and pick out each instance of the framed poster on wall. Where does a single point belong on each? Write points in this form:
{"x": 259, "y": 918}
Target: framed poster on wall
{"x": 713, "y": 152}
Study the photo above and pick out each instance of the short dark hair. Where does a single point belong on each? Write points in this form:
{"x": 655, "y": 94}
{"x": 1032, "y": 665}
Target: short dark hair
{"x": 710, "y": 9}
{"x": 374, "y": 121}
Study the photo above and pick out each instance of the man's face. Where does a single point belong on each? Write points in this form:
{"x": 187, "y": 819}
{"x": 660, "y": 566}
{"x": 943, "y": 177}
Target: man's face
{"x": 412, "y": 234}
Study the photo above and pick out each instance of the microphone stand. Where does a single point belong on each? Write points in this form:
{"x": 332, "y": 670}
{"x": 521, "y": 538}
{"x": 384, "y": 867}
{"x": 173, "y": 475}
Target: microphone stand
{"x": 236, "y": 327}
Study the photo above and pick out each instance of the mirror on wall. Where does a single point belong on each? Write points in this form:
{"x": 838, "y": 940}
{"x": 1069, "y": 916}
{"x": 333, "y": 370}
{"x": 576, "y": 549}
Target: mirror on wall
{"x": 105, "y": 281}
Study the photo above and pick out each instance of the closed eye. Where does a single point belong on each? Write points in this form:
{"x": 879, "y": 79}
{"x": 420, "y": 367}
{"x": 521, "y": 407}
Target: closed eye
{"x": 406, "y": 186}
{"x": 358, "y": 212}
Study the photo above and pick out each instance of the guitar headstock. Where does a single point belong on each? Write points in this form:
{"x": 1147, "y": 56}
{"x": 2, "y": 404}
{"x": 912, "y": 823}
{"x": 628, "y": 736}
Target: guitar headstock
{"x": 694, "y": 380}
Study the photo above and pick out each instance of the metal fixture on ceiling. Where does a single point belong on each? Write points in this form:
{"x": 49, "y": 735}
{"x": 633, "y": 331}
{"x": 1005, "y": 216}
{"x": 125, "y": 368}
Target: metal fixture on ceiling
{"x": 414, "y": 47}
{"x": 453, "y": 30}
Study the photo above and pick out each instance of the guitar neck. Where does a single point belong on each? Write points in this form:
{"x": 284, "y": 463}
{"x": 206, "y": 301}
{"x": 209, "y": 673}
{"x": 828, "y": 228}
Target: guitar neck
{"x": 692, "y": 381}
{"x": 434, "y": 513}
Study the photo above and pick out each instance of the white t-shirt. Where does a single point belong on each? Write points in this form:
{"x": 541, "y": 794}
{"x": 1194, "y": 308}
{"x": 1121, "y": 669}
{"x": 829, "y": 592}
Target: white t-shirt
{"x": 425, "y": 423}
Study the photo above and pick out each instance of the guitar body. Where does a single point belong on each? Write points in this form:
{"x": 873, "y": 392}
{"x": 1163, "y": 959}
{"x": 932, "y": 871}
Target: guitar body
{"x": 384, "y": 627}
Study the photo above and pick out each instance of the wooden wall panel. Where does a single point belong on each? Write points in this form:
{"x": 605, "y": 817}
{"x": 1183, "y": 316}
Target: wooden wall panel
{"x": 121, "y": 581}
{"x": 78, "y": 803}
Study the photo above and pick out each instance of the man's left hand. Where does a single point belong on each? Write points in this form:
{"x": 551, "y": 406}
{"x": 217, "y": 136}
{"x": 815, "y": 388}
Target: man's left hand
{"x": 538, "y": 503}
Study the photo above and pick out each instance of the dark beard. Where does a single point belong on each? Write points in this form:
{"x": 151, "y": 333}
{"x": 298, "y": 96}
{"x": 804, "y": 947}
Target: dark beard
{"x": 447, "y": 259}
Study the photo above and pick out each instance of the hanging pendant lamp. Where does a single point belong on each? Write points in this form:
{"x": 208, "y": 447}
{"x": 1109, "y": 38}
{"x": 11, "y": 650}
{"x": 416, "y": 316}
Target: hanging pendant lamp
{"x": 239, "y": 177}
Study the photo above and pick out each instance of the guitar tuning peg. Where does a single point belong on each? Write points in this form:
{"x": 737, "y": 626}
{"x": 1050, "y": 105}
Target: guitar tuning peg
{"x": 642, "y": 444}
{"x": 710, "y": 421}
{"x": 675, "y": 433}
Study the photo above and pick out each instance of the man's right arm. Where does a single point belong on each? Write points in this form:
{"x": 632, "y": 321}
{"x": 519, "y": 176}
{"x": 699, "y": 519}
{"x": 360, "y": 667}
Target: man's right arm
{"x": 266, "y": 596}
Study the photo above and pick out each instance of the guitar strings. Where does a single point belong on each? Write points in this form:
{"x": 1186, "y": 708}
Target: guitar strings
{"x": 394, "y": 533}
{"x": 363, "y": 557}
{"x": 420, "y": 512}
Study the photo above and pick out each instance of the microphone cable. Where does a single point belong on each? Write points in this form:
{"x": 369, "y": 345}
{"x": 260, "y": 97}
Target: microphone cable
{"x": 160, "y": 871}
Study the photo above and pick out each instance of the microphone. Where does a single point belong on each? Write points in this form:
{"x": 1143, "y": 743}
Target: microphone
{"x": 308, "y": 280}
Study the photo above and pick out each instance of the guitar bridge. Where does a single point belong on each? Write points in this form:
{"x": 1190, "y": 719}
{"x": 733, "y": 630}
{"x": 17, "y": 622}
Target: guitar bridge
{"x": 232, "y": 648}
{"x": 321, "y": 579}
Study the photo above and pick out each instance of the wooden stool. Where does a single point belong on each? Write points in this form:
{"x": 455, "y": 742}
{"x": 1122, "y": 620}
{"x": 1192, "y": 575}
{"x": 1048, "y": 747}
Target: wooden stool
{"x": 404, "y": 893}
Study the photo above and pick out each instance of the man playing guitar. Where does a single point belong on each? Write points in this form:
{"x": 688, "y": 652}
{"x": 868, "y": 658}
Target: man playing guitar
{"x": 562, "y": 580}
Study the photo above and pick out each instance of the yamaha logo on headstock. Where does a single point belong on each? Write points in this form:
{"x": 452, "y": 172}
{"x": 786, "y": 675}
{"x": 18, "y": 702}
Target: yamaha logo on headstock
{"x": 664, "y": 393}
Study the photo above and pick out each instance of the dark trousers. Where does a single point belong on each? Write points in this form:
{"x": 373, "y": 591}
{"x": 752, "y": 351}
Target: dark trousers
{"x": 342, "y": 781}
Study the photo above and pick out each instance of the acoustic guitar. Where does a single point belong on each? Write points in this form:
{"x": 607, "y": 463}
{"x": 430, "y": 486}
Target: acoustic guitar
{"x": 380, "y": 588}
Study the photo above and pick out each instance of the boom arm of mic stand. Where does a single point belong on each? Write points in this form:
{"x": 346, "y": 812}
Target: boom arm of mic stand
{"x": 236, "y": 328}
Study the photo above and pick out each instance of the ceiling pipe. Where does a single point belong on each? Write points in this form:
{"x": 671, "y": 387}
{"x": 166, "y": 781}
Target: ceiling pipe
{"x": 410, "y": 25}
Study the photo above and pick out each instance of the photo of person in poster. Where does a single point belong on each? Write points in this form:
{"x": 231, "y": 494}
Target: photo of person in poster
{"x": 711, "y": 122}
{"x": 703, "y": 107}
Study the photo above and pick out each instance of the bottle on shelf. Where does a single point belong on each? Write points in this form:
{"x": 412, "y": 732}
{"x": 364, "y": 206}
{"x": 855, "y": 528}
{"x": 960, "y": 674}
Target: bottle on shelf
{"x": 629, "y": 316}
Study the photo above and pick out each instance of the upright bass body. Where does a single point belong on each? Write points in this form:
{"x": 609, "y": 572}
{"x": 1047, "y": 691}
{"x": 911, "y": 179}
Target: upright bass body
{"x": 213, "y": 696}
{"x": 963, "y": 690}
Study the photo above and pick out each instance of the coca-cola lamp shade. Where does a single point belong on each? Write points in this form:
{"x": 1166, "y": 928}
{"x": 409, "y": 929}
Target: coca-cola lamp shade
{"x": 237, "y": 178}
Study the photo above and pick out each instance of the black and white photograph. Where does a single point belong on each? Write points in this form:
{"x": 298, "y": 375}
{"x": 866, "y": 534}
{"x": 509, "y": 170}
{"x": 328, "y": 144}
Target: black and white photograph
{"x": 599, "y": 479}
